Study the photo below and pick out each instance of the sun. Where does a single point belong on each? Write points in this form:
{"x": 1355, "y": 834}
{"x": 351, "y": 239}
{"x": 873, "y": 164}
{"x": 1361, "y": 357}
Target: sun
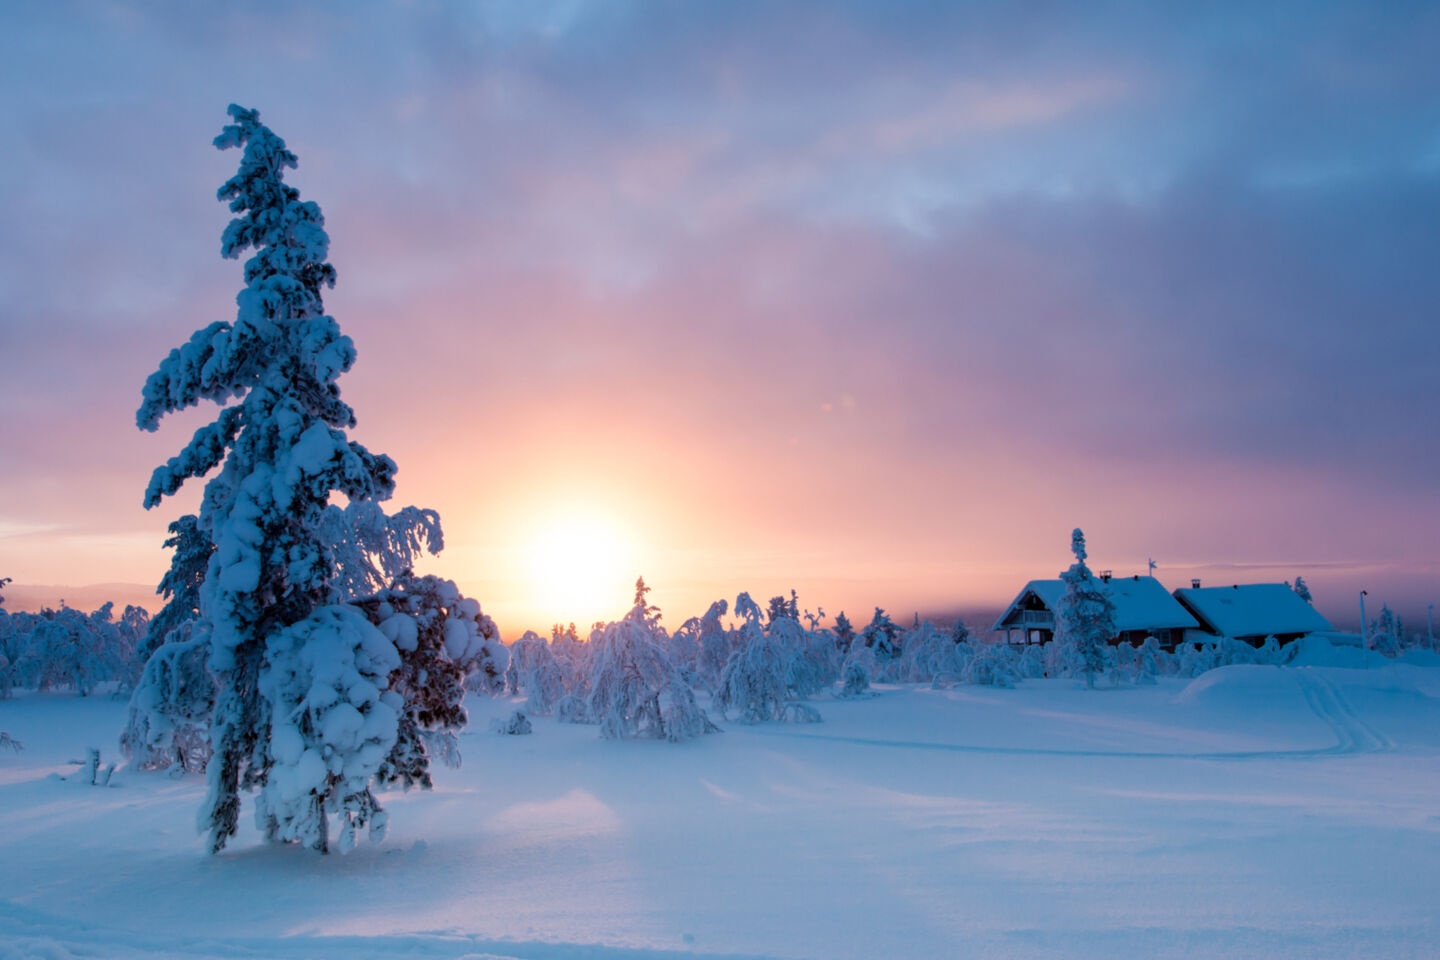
{"x": 581, "y": 569}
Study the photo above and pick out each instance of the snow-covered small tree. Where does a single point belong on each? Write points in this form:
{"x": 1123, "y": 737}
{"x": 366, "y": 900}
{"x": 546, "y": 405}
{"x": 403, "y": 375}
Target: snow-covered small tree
{"x": 881, "y": 635}
{"x": 636, "y": 690}
{"x": 1086, "y": 617}
{"x": 715, "y": 645}
{"x": 856, "y": 671}
{"x": 1302, "y": 590}
{"x": 928, "y": 653}
{"x": 1386, "y": 633}
{"x": 992, "y": 665}
{"x": 753, "y": 683}
{"x": 541, "y": 678}
{"x": 169, "y": 716}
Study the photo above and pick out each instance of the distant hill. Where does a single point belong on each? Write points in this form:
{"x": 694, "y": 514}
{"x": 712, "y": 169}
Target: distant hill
{"x": 30, "y": 597}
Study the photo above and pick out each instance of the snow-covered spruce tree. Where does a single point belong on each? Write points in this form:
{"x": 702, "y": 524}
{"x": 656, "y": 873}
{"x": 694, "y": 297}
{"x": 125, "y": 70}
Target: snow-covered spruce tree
{"x": 1086, "y": 617}
{"x": 636, "y": 689}
{"x": 844, "y": 633}
{"x": 1302, "y": 590}
{"x": 268, "y": 604}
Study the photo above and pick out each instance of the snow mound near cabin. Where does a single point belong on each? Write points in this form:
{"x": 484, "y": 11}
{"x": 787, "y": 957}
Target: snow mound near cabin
{"x": 1420, "y": 658}
{"x": 1320, "y": 651}
{"x": 1241, "y": 684}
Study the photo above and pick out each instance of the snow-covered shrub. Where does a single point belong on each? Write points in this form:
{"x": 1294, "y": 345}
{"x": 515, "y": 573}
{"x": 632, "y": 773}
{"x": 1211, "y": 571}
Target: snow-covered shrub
{"x": 169, "y": 716}
{"x": 572, "y": 709}
{"x": 1152, "y": 661}
{"x": 927, "y": 654}
{"x": 797, "y": 712}
{"x": 1197, "y": 657}
{"x": 856, "y": 671}
{"x": 1124, "y": 665}
{"x": 1030, "y": 664}
{"x": 992, "y": 665}
{"x": 636, "y": 690}
{"x": 753, "y": 684}
{"x": 517, "y": 724}
{"x": 1269, "y": 651}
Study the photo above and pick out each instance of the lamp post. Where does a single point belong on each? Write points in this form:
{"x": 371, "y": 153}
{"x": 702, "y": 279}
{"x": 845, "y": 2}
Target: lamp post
{"x": 1430, "y": 625}
{"x": 1364, "y": 631}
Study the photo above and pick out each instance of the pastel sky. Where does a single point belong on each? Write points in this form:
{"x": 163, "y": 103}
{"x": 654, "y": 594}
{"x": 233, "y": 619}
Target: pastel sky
{"x": 873, "y": 300}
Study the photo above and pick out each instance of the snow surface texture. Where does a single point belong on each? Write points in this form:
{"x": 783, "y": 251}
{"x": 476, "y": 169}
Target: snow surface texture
{"x": 1274, "y": 811}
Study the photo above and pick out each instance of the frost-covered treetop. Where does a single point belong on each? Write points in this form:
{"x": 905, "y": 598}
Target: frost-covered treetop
{"x": 1077, "y": 545}
{"x": 280, "y": 329}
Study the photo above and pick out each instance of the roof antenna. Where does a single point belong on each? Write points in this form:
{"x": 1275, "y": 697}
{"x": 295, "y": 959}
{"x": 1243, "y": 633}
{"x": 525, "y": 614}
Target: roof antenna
{"x": 1152, "y": 567}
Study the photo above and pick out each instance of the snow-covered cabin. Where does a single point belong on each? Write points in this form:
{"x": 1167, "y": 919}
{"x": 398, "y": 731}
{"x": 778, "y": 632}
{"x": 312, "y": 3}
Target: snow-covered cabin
{"x": 1143, "y": 608}
{"x": 1251, "y": 611}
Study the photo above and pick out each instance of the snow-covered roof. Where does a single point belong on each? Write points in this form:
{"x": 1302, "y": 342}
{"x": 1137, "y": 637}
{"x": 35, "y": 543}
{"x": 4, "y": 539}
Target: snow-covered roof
{"x": 1141, "y": 603}
{"x": 1251, "y": 610}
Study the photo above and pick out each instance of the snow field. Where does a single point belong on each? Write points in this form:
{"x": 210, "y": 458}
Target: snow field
{"x": 1255, "y": 811}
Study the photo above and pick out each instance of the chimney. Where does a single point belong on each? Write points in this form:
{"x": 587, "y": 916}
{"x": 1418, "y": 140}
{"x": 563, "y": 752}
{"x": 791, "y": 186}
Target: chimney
{"x": 1105, "y": 575}
{"x": 1195, "y": 584}
{"x": 1136, "y": 578}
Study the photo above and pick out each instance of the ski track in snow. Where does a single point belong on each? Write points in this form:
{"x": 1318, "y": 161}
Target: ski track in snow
{"x": 1353, "y": 735}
